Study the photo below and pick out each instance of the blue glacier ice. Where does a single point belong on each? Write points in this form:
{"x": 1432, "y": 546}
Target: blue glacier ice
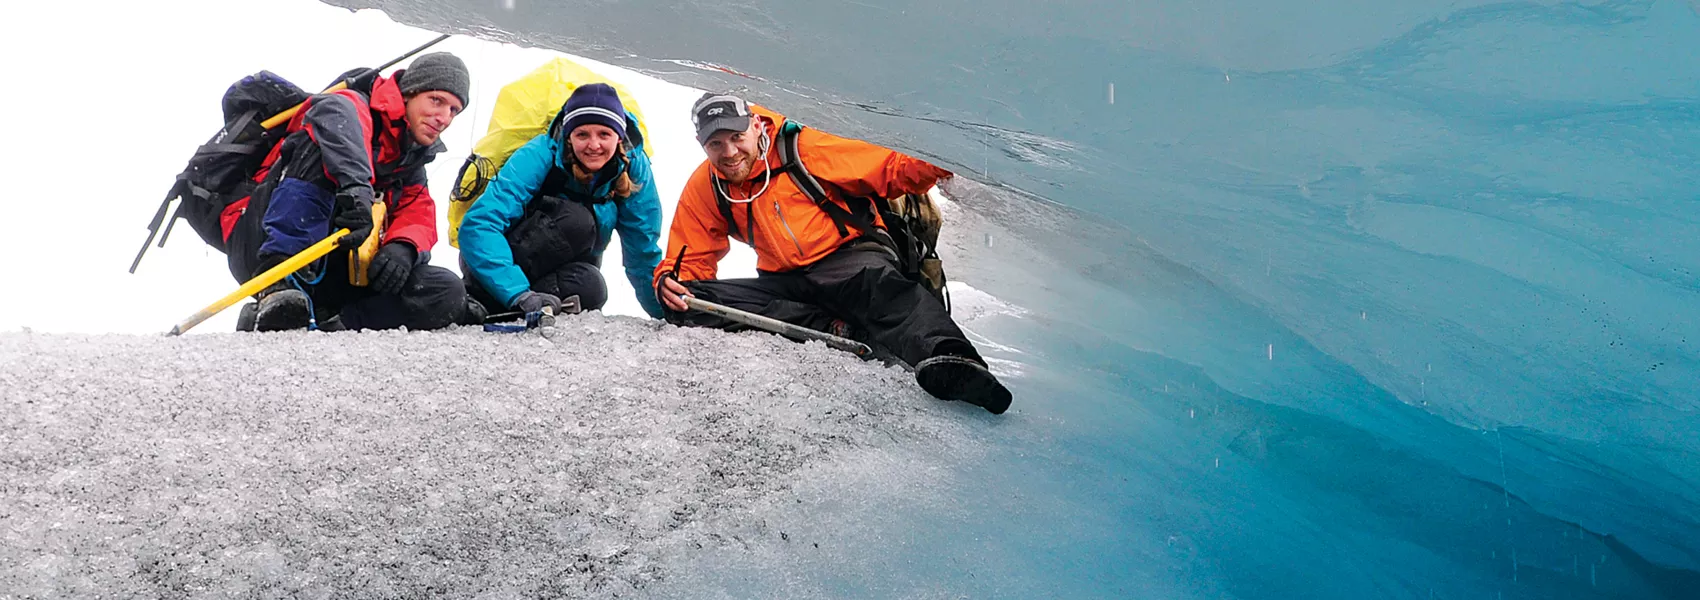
{"x": 1333, "y": 299}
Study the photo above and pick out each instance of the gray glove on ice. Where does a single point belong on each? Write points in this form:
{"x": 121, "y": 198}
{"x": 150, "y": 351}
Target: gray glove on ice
{"x": 530, "y": 302}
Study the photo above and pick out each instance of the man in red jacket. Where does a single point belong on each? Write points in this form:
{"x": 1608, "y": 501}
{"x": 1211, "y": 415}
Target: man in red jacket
{"x": 345, "y": 150}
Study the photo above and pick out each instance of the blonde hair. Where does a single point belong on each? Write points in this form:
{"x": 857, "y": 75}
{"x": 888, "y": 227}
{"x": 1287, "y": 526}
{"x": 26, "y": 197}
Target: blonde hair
{"x": 623, "y": 187}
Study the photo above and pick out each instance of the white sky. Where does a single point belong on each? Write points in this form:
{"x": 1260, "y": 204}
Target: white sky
{"x": 106, "y": 101}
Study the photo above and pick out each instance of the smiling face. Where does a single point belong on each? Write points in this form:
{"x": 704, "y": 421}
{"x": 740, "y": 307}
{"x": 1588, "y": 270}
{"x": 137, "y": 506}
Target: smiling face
{"x": 733, "y": 154}
{"x": 429, "y": 113}
{"x": 593, "y": 145}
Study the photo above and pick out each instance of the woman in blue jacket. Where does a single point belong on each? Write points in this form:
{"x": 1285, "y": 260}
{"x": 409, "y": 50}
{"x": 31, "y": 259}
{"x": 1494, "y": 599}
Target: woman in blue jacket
{"x": 537, "y": 234}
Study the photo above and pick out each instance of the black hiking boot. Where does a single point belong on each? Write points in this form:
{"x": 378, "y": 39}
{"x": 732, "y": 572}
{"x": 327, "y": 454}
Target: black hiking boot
{"x": 475, "y": 313}
{"x": 282, "y": 307}
{"x": 959, "y": 378}
{"x": 332, "y": 324}
{"x": 245, "y": 316}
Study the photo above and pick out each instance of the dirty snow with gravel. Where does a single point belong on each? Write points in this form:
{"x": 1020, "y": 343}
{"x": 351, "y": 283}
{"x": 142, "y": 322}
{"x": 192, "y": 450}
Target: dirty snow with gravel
{"x": 575, "y": 460}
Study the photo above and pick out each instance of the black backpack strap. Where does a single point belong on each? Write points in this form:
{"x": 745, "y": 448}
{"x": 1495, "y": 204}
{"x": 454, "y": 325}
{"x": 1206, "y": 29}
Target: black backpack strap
{"x": 232, "y": 130}
{"x": 725, "y": 206}
{"x": 748, "y": 237}
{"x": 790, "y": 162}
{"x": 243, "y": 149}
{"x": 726, "y": 213}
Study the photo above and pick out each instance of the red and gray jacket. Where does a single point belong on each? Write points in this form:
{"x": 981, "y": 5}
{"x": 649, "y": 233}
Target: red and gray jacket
{"x": 355, "y": 142}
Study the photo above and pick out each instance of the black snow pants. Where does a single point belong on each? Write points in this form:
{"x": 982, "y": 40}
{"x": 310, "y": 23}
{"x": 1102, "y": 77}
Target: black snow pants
{"x": 859, "y": 284}
{"x": 432, "y": 298}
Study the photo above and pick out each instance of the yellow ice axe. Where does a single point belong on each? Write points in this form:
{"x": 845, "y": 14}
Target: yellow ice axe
{"x": 289, "y": 113}
{"x": 361, "y": 258}
{"x": 271, "y": 276}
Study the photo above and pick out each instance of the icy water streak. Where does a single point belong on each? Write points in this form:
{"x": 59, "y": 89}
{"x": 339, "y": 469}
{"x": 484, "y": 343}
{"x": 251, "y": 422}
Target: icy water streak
{"x": 1339, "y": 299}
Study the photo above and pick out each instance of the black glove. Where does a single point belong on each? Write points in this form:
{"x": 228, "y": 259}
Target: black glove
{"x": 391, "y": 267}
{"x": 530, "y": 302}
{"x": 354, "y": 213}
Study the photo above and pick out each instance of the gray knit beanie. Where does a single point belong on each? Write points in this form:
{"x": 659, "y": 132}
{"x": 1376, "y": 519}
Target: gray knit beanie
{"x": 436, "y": 71}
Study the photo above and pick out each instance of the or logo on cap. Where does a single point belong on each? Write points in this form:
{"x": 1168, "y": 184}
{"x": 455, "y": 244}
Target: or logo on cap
{"x": 715, "y": 112}
{"x": 718, "y": 106}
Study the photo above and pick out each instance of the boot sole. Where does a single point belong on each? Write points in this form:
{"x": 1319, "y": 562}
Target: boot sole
{"x": 283, "y": 314}
{"x": 957, "y": 378}
{"x": 245, "y": 316}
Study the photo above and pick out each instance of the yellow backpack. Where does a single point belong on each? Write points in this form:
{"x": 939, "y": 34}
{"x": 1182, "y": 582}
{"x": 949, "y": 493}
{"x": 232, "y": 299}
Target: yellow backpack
{"x": 524, "y": 110}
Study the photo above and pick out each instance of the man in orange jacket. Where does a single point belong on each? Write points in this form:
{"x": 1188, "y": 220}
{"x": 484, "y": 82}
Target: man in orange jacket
{"x": 817, "y": 269}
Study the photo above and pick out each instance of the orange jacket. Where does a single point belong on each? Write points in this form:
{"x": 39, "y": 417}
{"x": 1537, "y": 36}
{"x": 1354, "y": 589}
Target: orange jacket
{"x": 790, "y": 230}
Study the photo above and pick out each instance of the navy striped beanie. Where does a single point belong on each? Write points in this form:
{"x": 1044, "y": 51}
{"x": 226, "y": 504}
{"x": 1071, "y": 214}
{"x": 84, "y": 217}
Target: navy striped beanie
{"x": 598, "y": 104}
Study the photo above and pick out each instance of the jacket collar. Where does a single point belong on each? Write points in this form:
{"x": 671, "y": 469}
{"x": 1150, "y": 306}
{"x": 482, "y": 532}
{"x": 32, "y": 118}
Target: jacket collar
{"x": 396, "y": 151}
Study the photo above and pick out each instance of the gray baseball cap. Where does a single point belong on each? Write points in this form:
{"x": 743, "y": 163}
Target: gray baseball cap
{"x": 719, "y": 112}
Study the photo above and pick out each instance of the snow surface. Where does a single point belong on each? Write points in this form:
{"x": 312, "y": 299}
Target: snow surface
{"x": 576, "y": 460}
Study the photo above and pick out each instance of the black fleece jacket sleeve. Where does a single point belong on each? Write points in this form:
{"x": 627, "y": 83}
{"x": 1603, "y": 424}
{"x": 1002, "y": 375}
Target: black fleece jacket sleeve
{"x": 337, "y": 127}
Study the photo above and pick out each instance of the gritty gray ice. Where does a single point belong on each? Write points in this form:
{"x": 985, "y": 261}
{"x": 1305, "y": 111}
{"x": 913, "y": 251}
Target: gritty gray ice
{"x": 580, "y": 460}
